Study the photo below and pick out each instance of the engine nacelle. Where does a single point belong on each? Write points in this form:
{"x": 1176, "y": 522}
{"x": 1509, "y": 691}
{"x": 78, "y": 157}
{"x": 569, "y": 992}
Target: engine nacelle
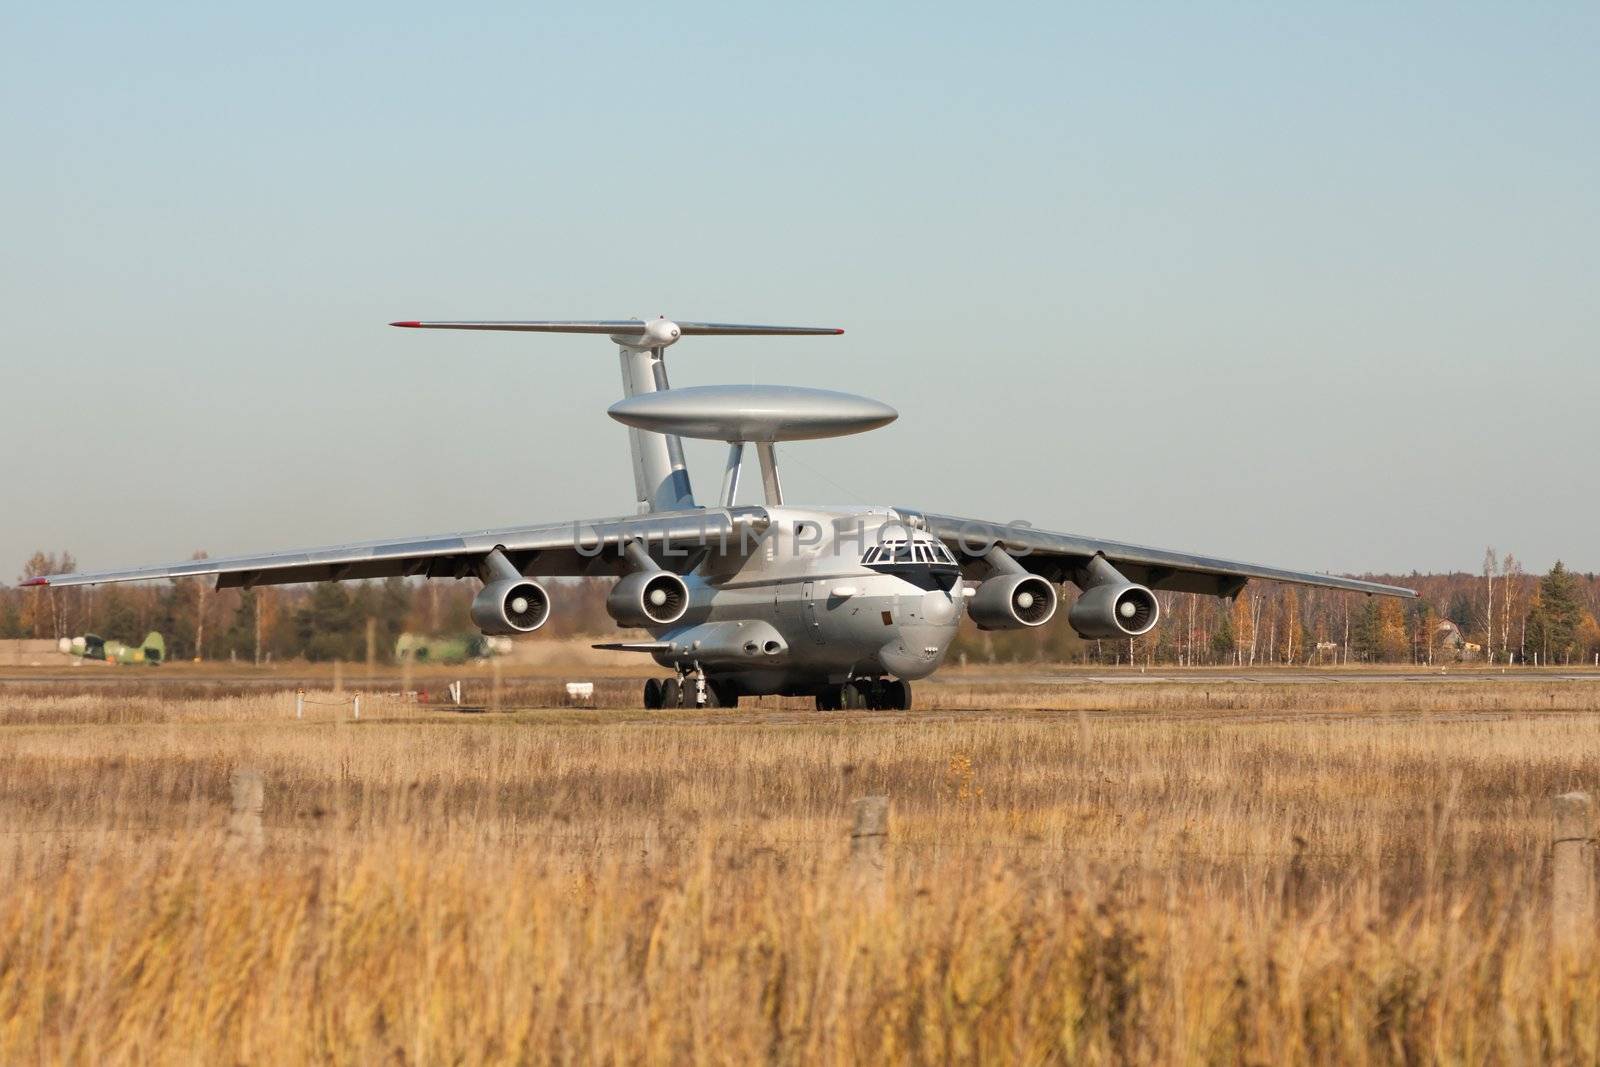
{"x": 1012, "y": 602}
{"x": 1109, "y": 610}
{"x": 648, "y": 598}
{"x": 510, "y": 606}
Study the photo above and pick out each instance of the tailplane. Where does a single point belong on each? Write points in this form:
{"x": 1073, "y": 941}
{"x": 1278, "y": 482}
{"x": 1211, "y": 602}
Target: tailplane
{"x": 660, "y": 477}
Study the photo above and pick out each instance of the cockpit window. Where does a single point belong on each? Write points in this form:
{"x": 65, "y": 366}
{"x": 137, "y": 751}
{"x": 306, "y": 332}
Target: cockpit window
{"x": 928, "y": 553}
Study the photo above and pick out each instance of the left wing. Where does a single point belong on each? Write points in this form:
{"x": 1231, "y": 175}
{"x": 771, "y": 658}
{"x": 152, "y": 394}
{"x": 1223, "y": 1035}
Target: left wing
{"x": 577, "y": 548}
{"x": 624, "y": 327}
{"x": 1060, "y": 557}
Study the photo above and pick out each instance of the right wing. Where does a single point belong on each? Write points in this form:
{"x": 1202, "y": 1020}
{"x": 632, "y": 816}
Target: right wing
{"x": 1061, "y": 557}
{"x": 578, "y": 548}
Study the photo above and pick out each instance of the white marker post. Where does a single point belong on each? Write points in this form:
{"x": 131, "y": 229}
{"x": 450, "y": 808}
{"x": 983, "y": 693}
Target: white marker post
{"x": 299, "y": 703}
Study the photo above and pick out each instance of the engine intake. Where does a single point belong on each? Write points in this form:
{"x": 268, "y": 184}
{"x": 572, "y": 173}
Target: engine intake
{"x": 1013, "y": 602}
{"x": 510, "y": 606}
{"x": 648, "y": 598}
{"x": 1125, "y": 610}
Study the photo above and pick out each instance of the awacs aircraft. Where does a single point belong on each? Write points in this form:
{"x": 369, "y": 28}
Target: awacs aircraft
{"x": 844, "y": 604}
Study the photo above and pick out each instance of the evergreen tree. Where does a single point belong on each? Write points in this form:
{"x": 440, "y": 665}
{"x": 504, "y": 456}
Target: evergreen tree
{"x": 332, "y": 625}
{"x": 240, "y": 638}
{"x": 1366, "y": 632}
{"x": 1557, "y": 612}
{"x": 1222, "y": 639}
{"x": 10, "y": 615}
{"x": 115, "y": 617}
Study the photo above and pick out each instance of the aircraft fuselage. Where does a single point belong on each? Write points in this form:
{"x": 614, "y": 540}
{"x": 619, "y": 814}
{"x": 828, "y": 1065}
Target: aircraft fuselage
{"x": 808, "y": 606}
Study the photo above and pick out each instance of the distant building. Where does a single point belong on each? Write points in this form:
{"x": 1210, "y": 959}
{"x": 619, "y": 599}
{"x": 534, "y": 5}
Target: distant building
{"x": 28, "y": 652}
{"x": 1448, "y": 643}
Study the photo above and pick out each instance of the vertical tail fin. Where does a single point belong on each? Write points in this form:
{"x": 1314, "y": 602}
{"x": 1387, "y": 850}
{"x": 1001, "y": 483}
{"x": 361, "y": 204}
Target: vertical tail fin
{"x": 660, "y": 477}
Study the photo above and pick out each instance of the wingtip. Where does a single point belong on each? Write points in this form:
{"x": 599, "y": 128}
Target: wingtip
{"x": 34, "y": 582}
{"x": 409, "y": 322}
{"x": 837, "y": 331}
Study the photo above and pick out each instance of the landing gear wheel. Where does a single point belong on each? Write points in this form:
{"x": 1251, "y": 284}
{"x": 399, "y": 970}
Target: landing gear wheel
{"x": 724, "y": 695}
{"x": 671, "y": 693}
{"x": 899, "y": 695}
{"x": 652, "y": 694}
{"x": 853, "y": 697}
{"x": 828, "y": 698}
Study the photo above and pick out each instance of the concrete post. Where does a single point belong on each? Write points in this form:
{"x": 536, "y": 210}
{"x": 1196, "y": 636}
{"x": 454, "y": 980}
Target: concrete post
{"x": 358, "y": 706}
{"x": 249, "y": 794}
{"x": 1296, "y": 880}
{"x": 299, "y": 703}
{"x": 869, "y": 834}
{"x": 650, "y": 845}
{"x": 1572, "y": 888}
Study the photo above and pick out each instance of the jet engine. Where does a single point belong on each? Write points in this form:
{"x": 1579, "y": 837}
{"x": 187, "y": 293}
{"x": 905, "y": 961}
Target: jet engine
{"x": 1012, "y": 602}
{"x": 510, "y": 606}
{"x": 648, "y": 598}
{"x": 1115, "y": 610}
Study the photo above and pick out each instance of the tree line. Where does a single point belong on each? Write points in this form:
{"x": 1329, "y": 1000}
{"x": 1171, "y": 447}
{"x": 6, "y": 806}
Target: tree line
{"x": 1500, "y": 615}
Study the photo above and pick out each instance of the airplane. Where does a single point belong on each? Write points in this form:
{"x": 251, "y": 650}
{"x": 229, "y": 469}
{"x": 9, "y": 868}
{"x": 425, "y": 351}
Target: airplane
{"x": 421, "y": 648}
{"x": 151, "y": 651}
{"x": 847, "y": 605}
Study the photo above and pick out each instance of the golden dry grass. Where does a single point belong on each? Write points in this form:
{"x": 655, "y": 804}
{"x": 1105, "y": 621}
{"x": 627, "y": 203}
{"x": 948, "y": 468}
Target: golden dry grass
{"x": 1269, "y": 877}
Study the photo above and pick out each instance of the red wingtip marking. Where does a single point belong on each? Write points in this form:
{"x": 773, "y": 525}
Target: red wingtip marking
{"x": 405, "y": 324}
{"x": 837, "y": 332}
{"x": 35, "y": 581}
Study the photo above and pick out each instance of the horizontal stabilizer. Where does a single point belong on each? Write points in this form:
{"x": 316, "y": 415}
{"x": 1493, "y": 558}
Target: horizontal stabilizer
{"x": 627, "y": 328}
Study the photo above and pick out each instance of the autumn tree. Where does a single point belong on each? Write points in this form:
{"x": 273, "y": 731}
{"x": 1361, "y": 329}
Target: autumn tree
{"x": 48, "y": 612}
{"x": 1393, "y": 641}
{"x": 1243, "y": 626}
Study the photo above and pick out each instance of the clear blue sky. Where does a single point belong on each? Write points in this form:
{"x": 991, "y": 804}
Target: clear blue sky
{"x": 1315, "y": 288}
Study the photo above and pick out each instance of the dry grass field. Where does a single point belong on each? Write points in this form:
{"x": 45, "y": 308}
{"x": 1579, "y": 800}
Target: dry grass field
{"x": 1194, "y": 872}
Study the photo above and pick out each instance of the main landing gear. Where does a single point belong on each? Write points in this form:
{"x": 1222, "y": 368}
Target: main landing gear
{"x": 690, "y": 690}
{"x": 872, "y": 694}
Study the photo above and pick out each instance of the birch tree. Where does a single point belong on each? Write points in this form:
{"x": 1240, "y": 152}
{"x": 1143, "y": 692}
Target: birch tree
{"x": 1489, "y": 564}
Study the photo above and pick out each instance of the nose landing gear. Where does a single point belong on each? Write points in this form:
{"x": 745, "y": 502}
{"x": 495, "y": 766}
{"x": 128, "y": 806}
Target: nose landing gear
{"x": 692, "y": 689}
{"x": 870, "y": 694}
